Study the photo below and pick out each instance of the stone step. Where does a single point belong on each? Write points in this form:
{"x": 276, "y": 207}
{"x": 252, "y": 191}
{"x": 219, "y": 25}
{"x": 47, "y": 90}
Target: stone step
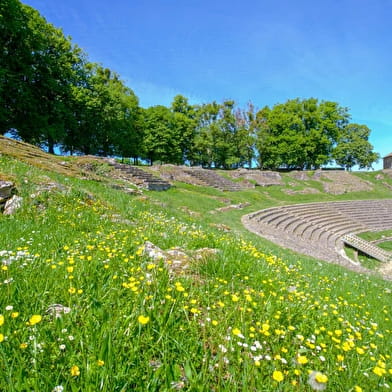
{"x": 367, "y": 248}
{"x": 151, "y": 182}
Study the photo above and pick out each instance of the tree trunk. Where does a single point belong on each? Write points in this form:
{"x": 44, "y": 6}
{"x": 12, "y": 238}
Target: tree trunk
{"x": 50, "y": 145}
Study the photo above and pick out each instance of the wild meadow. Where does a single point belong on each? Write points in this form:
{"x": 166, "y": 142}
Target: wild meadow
{"x": 83, "y": 306}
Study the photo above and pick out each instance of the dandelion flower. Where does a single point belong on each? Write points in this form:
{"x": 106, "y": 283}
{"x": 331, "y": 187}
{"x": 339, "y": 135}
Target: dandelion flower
{"x": 35, "y": 319}
{"x": 234, "y": 298}
{"x": 379, "y": 371}
{"x": 1, "y": 337}
{"x": 238, "y": 333}
{"x": 302, "y": 360}
{"x": 318, "y": 381}
{"x": 143, "y": 319}
{"x": 277, "y": 376}
{"x": 1, "y": 319}
{"x": 75, "y": 371}
{"x": 357, "y": 389}
{"x": 100, "y": 362}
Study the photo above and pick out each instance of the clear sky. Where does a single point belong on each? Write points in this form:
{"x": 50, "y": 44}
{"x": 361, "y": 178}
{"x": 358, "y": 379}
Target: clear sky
{"x": 251, "y": 50}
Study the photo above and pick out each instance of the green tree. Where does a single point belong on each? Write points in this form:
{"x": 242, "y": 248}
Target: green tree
{"x": 160, "y": 142}
{"x": 39, "y": 66}
{"x": 353, "y": 148}
{"x": 15, "y": 62}
{"x": 119, "y": 109}
{"x": 299, "y": 133}
{"x": 106, "y": 115}
{"x": 204, "y": 141}
{"x": 223, "y": 136}
{"x": 245, "y": 137}
{"x": 184, "y": 126}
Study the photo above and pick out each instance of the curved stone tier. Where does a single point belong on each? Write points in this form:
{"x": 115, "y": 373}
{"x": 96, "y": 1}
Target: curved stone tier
{"x": 317, "y": 229}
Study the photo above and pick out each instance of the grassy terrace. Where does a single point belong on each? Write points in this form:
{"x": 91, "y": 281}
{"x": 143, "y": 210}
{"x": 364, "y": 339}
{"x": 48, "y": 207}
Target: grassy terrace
{"x": 252, "y": 317}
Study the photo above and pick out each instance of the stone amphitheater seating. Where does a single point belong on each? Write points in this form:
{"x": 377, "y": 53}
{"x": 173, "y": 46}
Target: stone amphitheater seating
{"x": 320, "y": 229}
{"x": 147, "y": 180}
{"x": 210, "y": 178}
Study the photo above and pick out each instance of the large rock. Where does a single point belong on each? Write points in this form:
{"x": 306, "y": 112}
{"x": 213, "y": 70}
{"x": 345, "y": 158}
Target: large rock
{"x": 12, "y": 205}
{"x": 176, "y": 259}
{"x": 7, "y": 189}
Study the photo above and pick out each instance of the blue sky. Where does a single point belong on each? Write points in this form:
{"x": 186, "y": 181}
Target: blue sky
{"x": 261, "y": 51}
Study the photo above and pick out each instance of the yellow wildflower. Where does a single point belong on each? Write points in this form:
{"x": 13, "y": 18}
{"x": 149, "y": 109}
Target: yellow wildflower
{"x": 322, "y": 378}
{"x": 379, "y": 371}
{"x": 75, "y": 371}
{"x": 302, "y": 360}
{"x": 35, "y": 319}
{"x": 143, "y": 319}
{"x": 277, "y": 376}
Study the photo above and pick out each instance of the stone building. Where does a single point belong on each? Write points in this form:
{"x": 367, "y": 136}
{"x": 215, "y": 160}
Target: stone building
{"x": 388, "y": 161}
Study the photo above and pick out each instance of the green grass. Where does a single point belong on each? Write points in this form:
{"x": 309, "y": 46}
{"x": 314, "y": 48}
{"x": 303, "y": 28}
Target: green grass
{"x": 387, "y": 245}
{"x": 375, "y": 235}
{"x": 253, "y": 317}
{"x": 365, "y": 260}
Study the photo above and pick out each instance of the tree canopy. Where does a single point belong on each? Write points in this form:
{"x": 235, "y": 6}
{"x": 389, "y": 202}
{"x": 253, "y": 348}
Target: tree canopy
{"x": 353, "y": 148}
{"x": 299, "y": 134}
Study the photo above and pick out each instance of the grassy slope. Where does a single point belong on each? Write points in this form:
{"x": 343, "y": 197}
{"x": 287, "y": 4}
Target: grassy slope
{"x": 254, "y": 317}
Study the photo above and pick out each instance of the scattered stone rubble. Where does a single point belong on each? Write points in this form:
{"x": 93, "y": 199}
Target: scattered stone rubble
{"x": 177, "y": 259}
{"x": 57, "y": 310}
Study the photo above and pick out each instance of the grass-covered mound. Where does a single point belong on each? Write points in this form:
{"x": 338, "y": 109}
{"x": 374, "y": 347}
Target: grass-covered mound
{"x": 83, "y": 308}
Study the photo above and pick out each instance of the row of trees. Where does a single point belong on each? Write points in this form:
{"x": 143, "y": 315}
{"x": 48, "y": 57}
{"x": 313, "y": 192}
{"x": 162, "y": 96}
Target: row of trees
{"x": 51, "y": 95}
